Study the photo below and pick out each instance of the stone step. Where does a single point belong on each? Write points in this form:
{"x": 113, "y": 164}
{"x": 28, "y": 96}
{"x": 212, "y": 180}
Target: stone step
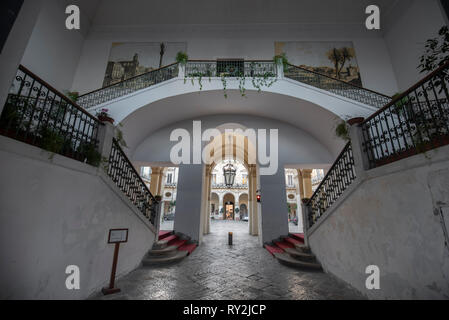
{"x": 297, "y": 236}
{"x": 301, "y": 256}
{"x": 161, "y": 244}
{"x": 162, "y": 260}
{"x": 167, "y": 251}
{"x": 287, "y": 260}
{"x": 303, "y": 248}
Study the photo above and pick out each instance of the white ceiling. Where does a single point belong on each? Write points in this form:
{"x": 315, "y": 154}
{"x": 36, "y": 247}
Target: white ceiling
{"x": 166, "y": 12}
{"x": 307, "y": 116}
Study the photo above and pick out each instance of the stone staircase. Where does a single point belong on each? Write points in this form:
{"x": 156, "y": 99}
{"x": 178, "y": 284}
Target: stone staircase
{"x": 292, "y": 252}
{"x": 170, "y": 248}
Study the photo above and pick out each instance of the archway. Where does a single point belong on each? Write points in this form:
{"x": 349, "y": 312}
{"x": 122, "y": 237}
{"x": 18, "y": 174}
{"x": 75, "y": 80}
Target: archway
{"x": 229, "y": 207}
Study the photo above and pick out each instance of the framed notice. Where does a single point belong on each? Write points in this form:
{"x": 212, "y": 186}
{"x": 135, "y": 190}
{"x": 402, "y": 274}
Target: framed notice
{"x": 118, "y": 236}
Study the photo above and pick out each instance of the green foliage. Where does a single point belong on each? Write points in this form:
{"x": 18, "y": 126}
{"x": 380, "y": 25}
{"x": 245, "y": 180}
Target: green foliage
{"x": 182, "y": 58}
{"x": 52, "y": 140}
{"x": 72, "y": 95}
{"x": 342, "y": 130}
{"x": 281, "y": 59}
{"x": 92, "y": 156}
{"x": 119, "y": 136}
{"x": 436, "y": 52}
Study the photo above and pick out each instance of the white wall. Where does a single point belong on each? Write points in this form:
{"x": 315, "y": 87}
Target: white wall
{"x": 234, "y": 41}
{"x": 389, "y": 221}
{"x": 55, "y": 213}
{"x": 53, "y": 52}
{"x": 412, "y": 23}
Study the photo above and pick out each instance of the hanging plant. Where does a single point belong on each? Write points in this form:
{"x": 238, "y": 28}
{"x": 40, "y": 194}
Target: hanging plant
{"x": 281, "y": 59}
{"x": 260, "y": 77}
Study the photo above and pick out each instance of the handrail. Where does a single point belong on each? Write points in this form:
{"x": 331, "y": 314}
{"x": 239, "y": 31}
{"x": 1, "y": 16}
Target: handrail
{"x": 414, "y": 122}
{"x": 129, "y": 79}
{"x": 63, "y": 96}
{"x": 38, "y": 114}
{"x": 408, "y": 91}
{"x": 339, "y": 178}
{"x": 336, "y": 79}
{"x": 127, "y": 179}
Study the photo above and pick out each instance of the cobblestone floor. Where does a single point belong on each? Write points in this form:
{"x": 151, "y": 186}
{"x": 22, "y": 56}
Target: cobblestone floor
{"x": 216, "y": 271}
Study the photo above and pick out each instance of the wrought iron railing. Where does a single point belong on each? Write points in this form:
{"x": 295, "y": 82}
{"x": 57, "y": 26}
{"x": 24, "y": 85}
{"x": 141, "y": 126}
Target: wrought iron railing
{"x": 415, "y": 122}
{"x": 336, "y": 86}
{"x": 40, "y": 115}
{"x": 126, "y": 177}
{"x": 230, "y": 68}
{"x": 337, "y": 180}
{"x": 128, "y": 86}
{"x": 234, "y": 186}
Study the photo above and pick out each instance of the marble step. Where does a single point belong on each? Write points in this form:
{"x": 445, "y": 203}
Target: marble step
{"x": 162, "y": 260}
{"x": 287, "y": 260}
{"x": 301, "y": 256}
{"x": 168, "y": 251}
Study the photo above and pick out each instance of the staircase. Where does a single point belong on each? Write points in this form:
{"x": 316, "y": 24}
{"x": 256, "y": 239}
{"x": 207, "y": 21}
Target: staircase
{"x": 169, "y": 248}
{"x": 292, "y": 252}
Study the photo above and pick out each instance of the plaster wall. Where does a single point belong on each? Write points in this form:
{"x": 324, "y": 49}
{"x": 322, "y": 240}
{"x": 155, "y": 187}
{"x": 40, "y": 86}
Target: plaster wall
{"x": 392, "y": 220}
{"x": 58, "y": 212}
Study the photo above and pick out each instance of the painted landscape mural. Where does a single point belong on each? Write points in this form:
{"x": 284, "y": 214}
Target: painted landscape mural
{"x": 127, "y": 60}
{"x": 335, "y": 59}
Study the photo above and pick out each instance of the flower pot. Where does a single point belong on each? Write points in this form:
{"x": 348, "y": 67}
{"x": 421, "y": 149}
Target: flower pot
{"x": 106, "y": 119}
{"x": 354, "y": 121}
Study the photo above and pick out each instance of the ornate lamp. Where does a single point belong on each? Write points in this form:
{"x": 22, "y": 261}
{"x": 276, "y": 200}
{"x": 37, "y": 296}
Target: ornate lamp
{"x": 229, "y": 174}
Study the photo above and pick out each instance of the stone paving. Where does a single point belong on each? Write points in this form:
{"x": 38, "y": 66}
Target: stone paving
{"x": 216, "y": 271}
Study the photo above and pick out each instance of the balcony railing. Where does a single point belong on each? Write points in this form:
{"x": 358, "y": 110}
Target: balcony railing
{"x": 38, "y": 114}
{"x": 337, "y": 180}
{"x": 230, "y": 68}
{"x": 125, "y": 176}
{"x": 128, "y": 86}
{"x": 336, "y": 86}
{"x": 415, "y": 122}
{"x": 224, "y": 186}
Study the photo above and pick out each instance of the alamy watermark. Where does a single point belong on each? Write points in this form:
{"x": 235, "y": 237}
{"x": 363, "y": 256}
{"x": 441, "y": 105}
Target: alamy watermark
{"x": 258, "y": 150}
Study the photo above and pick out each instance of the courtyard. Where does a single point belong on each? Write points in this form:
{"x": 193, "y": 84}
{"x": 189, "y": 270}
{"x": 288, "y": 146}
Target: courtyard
{"x": 217, "y": 271}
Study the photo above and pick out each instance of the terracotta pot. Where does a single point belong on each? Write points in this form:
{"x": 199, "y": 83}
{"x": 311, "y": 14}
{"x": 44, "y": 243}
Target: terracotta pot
{"x": 106, "y": 119}
{"x": 354, "y": 121}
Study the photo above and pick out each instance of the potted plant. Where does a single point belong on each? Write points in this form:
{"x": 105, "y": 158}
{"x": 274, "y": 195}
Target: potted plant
{"x": 103, "y": 116}
{"x": 182, "y": 58}
{"x": 281, "y": 59}
{"x": 342, "y": 131}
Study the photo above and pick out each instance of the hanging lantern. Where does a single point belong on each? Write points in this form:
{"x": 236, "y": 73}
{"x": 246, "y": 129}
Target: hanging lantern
{"x": 229, "y": 174}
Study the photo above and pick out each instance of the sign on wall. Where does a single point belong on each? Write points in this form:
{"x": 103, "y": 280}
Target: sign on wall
{"x": 130, "y": 59}
{"x": 333, "y": 58}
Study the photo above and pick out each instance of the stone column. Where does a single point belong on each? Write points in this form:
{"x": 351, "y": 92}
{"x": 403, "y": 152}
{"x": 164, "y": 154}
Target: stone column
{"x": 252, "y": 201}
{"x": 189, "y": 201}
{"x": 274, "y": 206}
{"x": 220, "y": 204}
{"x": 105, "y": 135}
{"x": 236, "y": 205}
{"x": 206, "y": 204}
{"x": 299, "y": 197}
{"x": 307, "y": 182}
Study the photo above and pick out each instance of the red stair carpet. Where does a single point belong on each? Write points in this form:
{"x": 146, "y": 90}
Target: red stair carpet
{"x": 164, "y": 234}
{"x": 289, "y": 242}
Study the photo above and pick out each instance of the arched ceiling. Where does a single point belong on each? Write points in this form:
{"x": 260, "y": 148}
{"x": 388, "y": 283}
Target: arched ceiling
{"x": 313, "y": 119}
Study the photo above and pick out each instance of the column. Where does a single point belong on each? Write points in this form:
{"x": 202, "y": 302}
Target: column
{"x": 299, "y": 197}
{"x": 236, "y": 205}
{"x": 307, "y": 183}
{"x": 252, "y": 201}
{"x": 220, "y": 204}
{"x": 189, "y": 201}
{"x": 206, "y": 201}
{"x": 274, "y": 213}
{"x": 15, "y": 45}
